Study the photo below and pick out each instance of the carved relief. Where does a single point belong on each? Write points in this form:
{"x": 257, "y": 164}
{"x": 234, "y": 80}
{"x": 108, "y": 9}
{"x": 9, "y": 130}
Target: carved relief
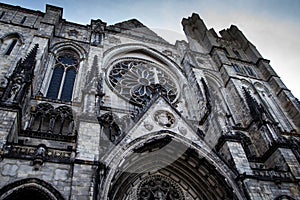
{"x": 20, "y": 79}
{"x": 159, "y": 187}
{"x": 110, "y": 125}
{"x": 164, "y": 118}
{"x": 47, "y": 122}
{"x": 148, "y": 125}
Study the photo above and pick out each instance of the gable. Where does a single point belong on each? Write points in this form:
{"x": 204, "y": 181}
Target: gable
{"x": 136, "y": 28}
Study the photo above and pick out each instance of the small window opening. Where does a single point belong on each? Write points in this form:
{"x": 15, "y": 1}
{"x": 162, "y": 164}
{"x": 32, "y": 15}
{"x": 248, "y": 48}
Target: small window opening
{"x": 250, "y": 71}
{"x": 237, "y": 53}
{"x": 226, "y": 52}
{"x": 2, "y": 14}
{"x": 23, "y": 20}
{"x": 11, "y": 47}
{"x": 238, "y": 69}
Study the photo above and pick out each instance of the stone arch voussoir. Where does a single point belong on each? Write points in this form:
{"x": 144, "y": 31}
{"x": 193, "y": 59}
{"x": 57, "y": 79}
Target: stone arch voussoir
{"x": 145, "y": 165}
{"x": 20, "y": 187}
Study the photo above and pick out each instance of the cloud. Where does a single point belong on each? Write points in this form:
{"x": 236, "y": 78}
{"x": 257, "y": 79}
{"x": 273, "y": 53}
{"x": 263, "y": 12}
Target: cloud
{"x": 272, "y": 26}
{"x": 275, "y": 38}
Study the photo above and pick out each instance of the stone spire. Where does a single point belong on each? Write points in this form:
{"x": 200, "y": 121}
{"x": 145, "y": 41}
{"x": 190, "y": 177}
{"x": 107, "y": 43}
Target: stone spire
{"x": 28, "y": 64}
{"x": 256, "y": 110}
{"x": 20, "y": 79}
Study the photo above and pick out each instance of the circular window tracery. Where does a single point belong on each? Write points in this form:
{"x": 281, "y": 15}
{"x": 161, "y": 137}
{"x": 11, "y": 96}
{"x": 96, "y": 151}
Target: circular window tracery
{"x": 159, "y": 187}
{"x": 67, "y": 60}
{"x": 136, "y": 80}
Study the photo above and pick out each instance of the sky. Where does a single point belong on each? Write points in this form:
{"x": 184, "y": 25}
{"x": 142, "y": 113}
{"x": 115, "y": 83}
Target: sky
{"x": 273, "y": 26}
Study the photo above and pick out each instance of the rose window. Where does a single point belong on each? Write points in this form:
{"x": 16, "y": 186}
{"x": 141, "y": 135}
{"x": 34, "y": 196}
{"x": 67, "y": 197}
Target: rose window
{"x": 138, "y": 80}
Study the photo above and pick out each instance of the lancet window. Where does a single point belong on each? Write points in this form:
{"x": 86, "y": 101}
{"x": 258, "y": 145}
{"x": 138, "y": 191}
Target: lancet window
{"x": 63, "y": 77}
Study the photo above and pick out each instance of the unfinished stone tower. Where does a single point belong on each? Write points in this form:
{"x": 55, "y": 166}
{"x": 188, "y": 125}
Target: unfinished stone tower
{"x": 114, "y": 112}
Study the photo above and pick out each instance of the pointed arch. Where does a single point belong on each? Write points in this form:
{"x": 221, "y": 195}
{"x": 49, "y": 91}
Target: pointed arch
{"x": 13, "y": 34}
{"x": 68, "y": 45}
{"x": 284, "y": 197}
{"x": 198, "y": 172}
{"x": 31, "y": 188}
{"x": 65, "y": 67}
{"x": 10, "y": 43}
{"x": 151, "y": 63}
{"x": 121, "y": 51}
{"x": 48, "y": 123}
{"x": 272, "y": 106}
{"x": 71, "y": 56}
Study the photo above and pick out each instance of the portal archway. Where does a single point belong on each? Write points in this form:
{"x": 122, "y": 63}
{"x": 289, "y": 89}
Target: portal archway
{"x": 28, "y": 189}
{"x": 145, "y": 172}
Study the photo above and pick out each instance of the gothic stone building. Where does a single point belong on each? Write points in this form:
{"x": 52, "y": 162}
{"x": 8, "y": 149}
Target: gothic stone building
{"x": 114, "y": 112}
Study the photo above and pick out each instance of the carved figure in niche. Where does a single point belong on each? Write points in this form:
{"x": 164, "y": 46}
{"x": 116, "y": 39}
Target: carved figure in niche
{"x": 98, "y": 33}
{"x": 108, "y": 121}
{"x": 100, "y": 92}
{"x": 13, "y": 92}
{"x": 21, "y": 78}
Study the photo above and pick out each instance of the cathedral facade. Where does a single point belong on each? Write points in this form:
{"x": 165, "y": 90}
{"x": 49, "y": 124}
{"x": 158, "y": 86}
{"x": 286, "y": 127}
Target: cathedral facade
{"x": 115, "y": 112}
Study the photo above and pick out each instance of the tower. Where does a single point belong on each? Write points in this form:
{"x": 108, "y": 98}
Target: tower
{"x": 114, "y": 112}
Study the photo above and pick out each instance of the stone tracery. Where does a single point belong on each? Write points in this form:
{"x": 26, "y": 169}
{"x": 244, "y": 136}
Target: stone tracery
{"x": 135, "y": 80}
{"x": 159, "y": 187}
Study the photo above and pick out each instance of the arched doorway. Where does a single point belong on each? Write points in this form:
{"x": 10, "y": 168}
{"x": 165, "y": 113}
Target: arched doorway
{"x": 146, "y": 173}
{"x": 30, "y": 189}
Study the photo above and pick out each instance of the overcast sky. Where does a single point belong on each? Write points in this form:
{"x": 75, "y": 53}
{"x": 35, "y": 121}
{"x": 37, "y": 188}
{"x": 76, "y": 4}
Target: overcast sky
{"x": 273, "y": 26}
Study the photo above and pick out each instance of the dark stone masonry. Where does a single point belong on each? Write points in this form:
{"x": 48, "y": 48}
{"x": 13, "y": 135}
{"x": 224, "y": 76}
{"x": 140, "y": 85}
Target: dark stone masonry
{"x": 115, "y": 112}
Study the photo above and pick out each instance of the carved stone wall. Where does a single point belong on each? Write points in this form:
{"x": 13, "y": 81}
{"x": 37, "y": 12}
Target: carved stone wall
{"x": 203, "y": 119}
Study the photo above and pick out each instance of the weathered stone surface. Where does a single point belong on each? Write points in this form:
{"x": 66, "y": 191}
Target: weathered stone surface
{"x": 208, "y": 118}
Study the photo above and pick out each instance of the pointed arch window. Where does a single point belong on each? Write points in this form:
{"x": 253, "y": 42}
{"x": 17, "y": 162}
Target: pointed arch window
{"x": 11, "y": 47}
{"x": 63, "y": 77}
{"x": 68, "y": 85}
{"x": 10, "y": 44}
{"x": 55, "y": 82}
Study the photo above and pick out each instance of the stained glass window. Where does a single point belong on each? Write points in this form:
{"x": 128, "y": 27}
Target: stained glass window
{"x": 63, "y": 78}
{"x": 55, "y": 82}
{"x": 67, "y": 90}
{"x": 136, "y": 79}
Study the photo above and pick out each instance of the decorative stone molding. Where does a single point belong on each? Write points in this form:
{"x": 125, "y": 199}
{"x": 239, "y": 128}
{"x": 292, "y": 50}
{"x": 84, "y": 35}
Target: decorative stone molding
{"x": 159, "y": 187}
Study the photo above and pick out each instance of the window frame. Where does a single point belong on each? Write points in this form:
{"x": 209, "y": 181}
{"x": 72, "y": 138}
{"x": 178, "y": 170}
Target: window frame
{"x": 10, "y": 44}
{"x": 66, "y": 68}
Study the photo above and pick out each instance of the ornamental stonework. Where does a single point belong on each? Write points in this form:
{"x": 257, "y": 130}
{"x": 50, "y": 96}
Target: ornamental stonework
{"x": 135, "y": 81}
{"x": 159, "y": 187}
{"x": 164, "y": 118}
